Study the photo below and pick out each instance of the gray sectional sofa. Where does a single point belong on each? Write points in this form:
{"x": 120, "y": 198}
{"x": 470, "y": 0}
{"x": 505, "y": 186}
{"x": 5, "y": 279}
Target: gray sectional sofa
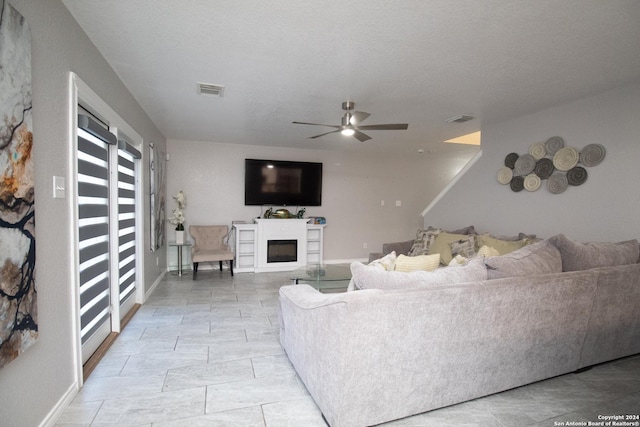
{"x": 400, "y": 345}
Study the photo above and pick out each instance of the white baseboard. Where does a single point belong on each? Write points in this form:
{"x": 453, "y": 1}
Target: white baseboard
{"x": 153, "y": 286}
{"x": 62, "y": 404}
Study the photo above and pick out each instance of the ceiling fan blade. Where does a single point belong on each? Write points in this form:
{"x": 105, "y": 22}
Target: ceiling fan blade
{"x": 358, "y": 117}
{"x": 323, "y": 134}
{"x": 316, "y": 124}
{"x": 396, "y": 126}
{"x": 361, "y": 136}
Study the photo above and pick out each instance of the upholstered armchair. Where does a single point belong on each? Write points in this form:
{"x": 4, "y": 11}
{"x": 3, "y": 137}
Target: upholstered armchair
{"x": 210, "y": 244}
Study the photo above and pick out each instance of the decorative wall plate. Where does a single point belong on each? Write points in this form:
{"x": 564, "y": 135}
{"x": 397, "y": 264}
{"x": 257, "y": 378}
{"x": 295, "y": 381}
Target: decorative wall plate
{"x": 566, "y": 158}
{"x": 524, "y": 165}
{"x": 517, "y": 183}
{"x": 592, "y": 155}
{"x": 510, "y": 160}
{"x": 544, "y": 168}
{"x": 538, "y": 150}
{"x": 557, "y": 183}
{"x": 577, "y": 176}
{"x": 504, "y": 175}
{"x": 532, "y": 182}
{"x": 553, "y": 144}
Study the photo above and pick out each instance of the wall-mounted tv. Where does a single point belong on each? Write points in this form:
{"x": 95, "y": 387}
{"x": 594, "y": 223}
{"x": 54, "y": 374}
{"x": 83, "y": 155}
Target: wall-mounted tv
{"x": 282, "y": 183}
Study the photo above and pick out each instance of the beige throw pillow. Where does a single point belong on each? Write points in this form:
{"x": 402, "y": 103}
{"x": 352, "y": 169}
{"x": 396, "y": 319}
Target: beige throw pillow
{"x": 415, "y": 263}
{"x": 502, "y": 246}
{"x": 441, "y": 245}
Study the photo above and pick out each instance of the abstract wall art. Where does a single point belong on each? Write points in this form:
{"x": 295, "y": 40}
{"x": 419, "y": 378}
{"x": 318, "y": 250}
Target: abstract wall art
{"x": 18, "y": 297}
{"x": 158, "y": 197}
{"x": 560, "y": 166}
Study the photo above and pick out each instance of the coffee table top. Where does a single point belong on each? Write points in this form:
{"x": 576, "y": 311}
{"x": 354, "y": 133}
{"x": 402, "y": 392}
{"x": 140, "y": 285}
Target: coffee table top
{"x": 324, "y": 276}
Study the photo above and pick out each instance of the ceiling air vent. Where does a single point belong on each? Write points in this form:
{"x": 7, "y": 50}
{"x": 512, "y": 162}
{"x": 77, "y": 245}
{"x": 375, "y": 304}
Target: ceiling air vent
{"x": 210, "y": 89}
{"x": 460, "y": 119}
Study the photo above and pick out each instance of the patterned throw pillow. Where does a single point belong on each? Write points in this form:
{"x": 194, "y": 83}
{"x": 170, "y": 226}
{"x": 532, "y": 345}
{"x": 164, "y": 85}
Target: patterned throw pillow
{"x": 465, "y": 247}
{"x": 424, "y": 239}
{"x": 386, "y": 262}
{"x": 416, "y": 263}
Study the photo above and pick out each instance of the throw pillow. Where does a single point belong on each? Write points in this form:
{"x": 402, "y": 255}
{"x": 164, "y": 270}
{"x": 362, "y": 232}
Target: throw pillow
{"x": 487, "y": 251}
{"x": 424, "y": 239}
{"x": 502, "y": 246}
{"x": 465, "y": 247}
{"x": 415, "y": 263}
{"x": 539, "y": 258}
{"x": 582, "y": 256}
{"x": 365, "y": 277}
{"x": 441, "y": 245}
{"x": 386, "y": 262}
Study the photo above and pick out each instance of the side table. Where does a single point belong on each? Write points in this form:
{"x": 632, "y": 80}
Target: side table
{"x": 179, "y": 250}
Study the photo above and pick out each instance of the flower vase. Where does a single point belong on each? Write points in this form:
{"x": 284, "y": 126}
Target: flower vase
{"x": 179, "y": 237}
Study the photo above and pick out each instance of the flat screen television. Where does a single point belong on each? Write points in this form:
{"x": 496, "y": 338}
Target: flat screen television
{"x": 282, "y": 183}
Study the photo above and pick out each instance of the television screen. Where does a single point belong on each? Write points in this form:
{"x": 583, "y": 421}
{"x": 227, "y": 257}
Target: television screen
{"x": 282, "y": 183}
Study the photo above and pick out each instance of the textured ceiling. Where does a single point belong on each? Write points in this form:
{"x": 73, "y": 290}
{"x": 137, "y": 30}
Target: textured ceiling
{"x": 418, "y": 62}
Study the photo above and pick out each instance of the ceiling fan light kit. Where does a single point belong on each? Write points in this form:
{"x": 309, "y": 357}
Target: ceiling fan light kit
{"x": 350, "y": 124}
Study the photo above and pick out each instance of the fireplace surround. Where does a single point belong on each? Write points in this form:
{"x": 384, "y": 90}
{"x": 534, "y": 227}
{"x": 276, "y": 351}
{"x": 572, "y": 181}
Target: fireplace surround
{"x": 294, "y": 244}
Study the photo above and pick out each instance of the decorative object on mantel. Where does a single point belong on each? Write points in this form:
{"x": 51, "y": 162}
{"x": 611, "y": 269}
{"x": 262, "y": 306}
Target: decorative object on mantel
{"x": 552, "y": 161}
{"x": 177, "y": 216}
{"x": 283, "y": 213}
{"x": 18, "y": 294}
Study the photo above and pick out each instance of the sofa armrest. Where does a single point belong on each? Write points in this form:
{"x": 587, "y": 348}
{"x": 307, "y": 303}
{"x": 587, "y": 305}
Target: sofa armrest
{"x": 400, "y": 247}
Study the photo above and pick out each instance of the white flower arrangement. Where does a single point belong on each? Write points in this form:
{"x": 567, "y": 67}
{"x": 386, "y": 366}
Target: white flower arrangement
{"x": 177, "y": 217}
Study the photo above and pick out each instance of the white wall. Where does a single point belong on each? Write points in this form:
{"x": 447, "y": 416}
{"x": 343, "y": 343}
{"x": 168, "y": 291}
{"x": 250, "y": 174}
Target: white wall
{"x": 32, "y": 386}
{"x": 604, "y": 208}
{"x": 354, "y": 183}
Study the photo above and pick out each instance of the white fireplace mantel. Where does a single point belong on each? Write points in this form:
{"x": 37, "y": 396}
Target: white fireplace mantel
{"x": 251, "y": 243}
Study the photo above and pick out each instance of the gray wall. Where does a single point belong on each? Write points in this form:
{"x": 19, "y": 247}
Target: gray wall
{"x": 33, "y": 385}
{"x": 354, "y": 184}
{"x": 605, "y": 208}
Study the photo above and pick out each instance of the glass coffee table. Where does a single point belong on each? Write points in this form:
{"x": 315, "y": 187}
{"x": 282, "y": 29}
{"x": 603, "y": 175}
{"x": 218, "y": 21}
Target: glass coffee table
{"x": 324, "y": 277}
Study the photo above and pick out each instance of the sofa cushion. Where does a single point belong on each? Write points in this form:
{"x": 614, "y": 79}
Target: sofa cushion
{"x": 539, "y": 258}
{"x": 502, "y": 246}
{"x": 423, "y": 240}
{"x": 582, "y": 256}
{"x": 415, "y": 263}
{"x": 386, "y": 262}
{"x": 366, "y": 277}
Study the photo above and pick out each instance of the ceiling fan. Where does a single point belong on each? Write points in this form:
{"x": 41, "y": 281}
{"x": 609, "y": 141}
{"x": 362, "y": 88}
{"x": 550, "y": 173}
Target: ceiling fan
{"x": 351, "y": 124}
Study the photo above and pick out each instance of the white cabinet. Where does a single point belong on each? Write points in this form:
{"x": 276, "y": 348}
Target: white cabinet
{"x": 245, "y": 242}
{"x": 315, "y": 234}
{"x": 250, "y": 251}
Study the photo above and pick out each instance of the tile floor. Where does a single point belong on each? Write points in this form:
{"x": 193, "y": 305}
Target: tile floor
{"x": 206, "y": 353}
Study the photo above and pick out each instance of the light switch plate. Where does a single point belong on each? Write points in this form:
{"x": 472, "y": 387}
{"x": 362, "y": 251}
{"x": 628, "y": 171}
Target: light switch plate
{"x": 59, "y": 187}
